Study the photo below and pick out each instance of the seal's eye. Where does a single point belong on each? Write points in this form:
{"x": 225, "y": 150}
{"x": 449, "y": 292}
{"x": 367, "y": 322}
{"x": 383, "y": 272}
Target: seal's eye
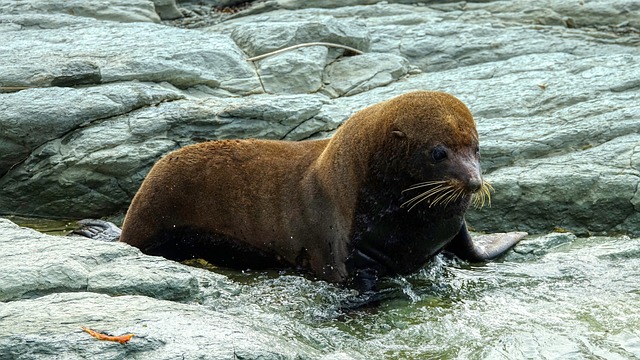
{"x": 438, "y": 154}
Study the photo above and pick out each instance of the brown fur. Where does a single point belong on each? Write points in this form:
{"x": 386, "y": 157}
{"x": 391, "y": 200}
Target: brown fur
{"x": 298, "y": 202}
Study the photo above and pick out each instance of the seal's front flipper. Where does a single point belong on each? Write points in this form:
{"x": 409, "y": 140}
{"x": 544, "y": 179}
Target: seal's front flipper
{"x": 98, "y": 230}
{"x": 485, "y": 247}
{"x": 497, "y": 244}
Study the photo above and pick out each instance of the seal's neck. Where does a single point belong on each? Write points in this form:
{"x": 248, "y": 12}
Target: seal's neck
{"x": 345, "y": 163}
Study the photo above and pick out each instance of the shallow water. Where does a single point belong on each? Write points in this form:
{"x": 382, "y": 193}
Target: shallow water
{"x": 559, "y": 297}
{"x": 47, "y": 226}
{"x": 552, "y": 297}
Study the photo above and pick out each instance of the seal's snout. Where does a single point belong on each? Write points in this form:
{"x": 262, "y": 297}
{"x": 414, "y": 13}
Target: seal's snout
{"x": 475, "y": 184}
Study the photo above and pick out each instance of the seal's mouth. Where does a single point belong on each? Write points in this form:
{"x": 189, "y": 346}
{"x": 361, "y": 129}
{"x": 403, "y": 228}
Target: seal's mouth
{"x": 445, "y": 192}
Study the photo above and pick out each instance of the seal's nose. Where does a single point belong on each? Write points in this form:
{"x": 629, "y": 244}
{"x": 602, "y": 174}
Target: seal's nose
{"x": 475, "y": 183}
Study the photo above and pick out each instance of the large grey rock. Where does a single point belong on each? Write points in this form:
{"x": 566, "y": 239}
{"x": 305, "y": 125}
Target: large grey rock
{"x": 300, "y": 70}
{"x": 167, "y": 9}
{"x": 566, "y": 190}
{"x": 113, "y": 10}
{"x": 258, "y": 316}
{"x": 265, "y": 33}
{"x": 32, "y": 118}
{"x": 87, "y": 265}
{"x": 613, "y": 13}
{"x": 118, "y": 10}
{"x": 295, "y": 72}
{"x": 102, "y": 165}
{"x": 85, "y": 51}
{"x": 547, "y": 12}
{"x": 356, "y": 74}
{"x": 218, "y": 3}
{"x": 162, "y": 329}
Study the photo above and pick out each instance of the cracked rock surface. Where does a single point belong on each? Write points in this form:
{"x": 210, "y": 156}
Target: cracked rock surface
{"x": 90, "y": 101}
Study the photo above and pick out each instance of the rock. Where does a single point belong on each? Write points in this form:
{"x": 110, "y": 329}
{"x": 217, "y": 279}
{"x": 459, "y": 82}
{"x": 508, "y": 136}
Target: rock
{"x": 424, "y": 46}
{"x": 541, "y": 193}
{"x": 220, "y": 3}
{"x": 266, "y": 33}
{"x": 167, "y": 9}
{"x": 296, "y": 72}
{"x": 87, "y": 53}
{"x": 84, "y": 265}
{"x": 102, "y": 158}
{"x": 162, "y": 329}
{"x": 610, "y": 13}
{"x": 565, "y": 13}
{"x": 356, "y": 74}
{"x": 34, "y": 117}
{"x": 537, "y": 246}
{"x": 112, "y": 10}
{"x": 301, "y": 4}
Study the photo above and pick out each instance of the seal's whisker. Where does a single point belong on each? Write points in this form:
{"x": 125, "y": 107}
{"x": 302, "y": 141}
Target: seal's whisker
{"x": 451, "y": 198}
{"x": 431, "y": 182}
{"x": 425, "y": 195}
{"x": 442, "y": 192}
{"x": 435, "y": 190}
{"x": 420, "y": 197}
{"x": 483, "y": 196}
{"x": 486, "y": 184}
{"x": 442, "y": 196}
{"x": 424, "y": 184}
{"x": 478, "y": 199}
{"x": 455, "y": 196}
{"x": 415, "y": 201}
{"x": 487, "y": 188}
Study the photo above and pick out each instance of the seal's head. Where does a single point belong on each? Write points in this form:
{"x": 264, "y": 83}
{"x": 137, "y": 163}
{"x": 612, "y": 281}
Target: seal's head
{"x": 438, "y": 140}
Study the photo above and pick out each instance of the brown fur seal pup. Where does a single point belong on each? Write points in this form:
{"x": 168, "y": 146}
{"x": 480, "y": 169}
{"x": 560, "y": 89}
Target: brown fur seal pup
{"x": 381, "y": 197}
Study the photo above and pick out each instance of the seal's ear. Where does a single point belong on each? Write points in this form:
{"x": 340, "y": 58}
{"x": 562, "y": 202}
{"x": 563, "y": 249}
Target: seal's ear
{"x": 399, "y": 134}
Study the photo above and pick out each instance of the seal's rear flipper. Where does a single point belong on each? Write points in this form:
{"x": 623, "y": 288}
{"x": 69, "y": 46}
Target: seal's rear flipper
{"x": 98, "y": 230}
{"x": 484, "y": 247}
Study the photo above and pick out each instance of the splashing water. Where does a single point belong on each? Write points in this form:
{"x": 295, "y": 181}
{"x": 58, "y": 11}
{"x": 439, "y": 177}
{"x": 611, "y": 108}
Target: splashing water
{"x": 555, "y": 296}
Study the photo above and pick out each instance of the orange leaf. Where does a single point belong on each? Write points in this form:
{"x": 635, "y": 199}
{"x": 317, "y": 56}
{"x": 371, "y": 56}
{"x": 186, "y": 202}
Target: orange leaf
{"x": 100, "y": 336}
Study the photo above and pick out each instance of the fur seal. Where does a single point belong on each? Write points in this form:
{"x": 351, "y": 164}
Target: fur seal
{"x": 387, "y": 192}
